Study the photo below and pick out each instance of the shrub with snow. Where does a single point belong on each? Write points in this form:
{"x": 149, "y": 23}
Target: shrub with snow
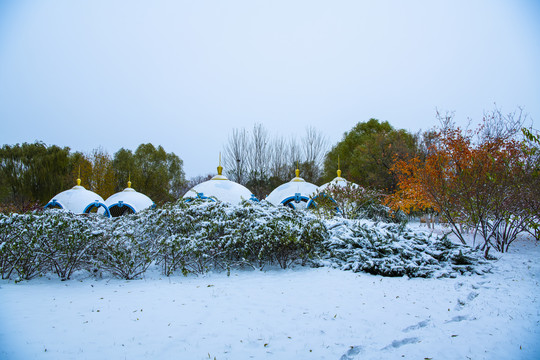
{"x": 206, "y": 235}
{"x": 396, "y": 250}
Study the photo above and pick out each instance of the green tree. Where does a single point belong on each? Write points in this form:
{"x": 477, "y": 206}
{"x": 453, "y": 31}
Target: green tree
{"x": 177, "y": 177}
{"x": 152, "y": 170}
{"x": 367, "y": 153}
{"x": 32, "y": 174}
{"x": 102, "y": 179}
{"x": 123, "y": 164}
{"x": 80, "y": 168}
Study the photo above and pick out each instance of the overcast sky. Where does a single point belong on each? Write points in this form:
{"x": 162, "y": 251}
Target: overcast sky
{"x": 183, "y": 74}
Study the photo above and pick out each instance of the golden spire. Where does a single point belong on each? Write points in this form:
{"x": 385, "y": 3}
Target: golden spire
{"x": 219, "y": 168}
{"x": 79, "y": 178}
{"x": 129, "y": 180}
{"x": 297, "y": 171}
{"x": 338, "y": 168}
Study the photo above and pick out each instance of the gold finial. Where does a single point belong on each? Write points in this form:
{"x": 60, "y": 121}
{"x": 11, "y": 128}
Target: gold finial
{"x": 297, "y": 171}
{"x": 338, "y": 168}
{"x": 219, "y": 168}
{"x": 129, "y": 180}
{"x": 79, "y": 178}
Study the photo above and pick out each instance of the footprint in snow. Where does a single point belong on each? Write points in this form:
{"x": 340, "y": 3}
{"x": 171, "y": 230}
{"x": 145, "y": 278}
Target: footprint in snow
{"x": 420, "y": 325}
{"x": 461, "y": 303}
{"x": 352, "y": 352}
{"x": 472, "y": 295}
{"x": 399, "y": 343}
{"x": 457, "y": 319}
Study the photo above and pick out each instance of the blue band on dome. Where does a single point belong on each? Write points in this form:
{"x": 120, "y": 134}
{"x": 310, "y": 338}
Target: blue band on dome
{"x": 122, "y": 204}
{"x": 297, "y": 198}
{"x": 53, "y": 203}
{"x": 97, "y": 204}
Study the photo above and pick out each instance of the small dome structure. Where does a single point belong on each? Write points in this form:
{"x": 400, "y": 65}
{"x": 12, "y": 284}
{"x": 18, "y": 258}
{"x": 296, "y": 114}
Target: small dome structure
{"x": 294, "y": 194}
{"x": 338, "y": 181}
{"x": 127, "y": 202}
{"x": 79, "y": 201}
{"x": 220, "y": 188}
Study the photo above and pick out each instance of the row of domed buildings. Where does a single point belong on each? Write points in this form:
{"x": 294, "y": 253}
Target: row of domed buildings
{"x": 296, "y": 193}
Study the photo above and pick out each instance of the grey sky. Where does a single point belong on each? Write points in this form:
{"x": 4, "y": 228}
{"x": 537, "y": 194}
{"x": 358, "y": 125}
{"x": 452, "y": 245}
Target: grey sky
{"x": 183, "y": 74}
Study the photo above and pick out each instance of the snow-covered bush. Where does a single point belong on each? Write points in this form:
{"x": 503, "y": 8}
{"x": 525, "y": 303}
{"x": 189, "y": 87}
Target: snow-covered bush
{"x": 69, "y": 242}
{"x": 21, "y": 249}
{"x": 213, "y": 235}
{"x": 207, "y": 235}
{"x": 354, "y": 202}
{"x": 127, "y": 247}
{"x": 8, "y": 235}
{"x": 396, "y": 250}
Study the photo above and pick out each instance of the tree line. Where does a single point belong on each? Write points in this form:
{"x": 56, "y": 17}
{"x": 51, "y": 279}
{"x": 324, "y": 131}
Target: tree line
{"x": 484, "y": 180}
{"x": 365, "y": 155}
{"x": 262, "y": 162}
{"x": 32, "y": 173}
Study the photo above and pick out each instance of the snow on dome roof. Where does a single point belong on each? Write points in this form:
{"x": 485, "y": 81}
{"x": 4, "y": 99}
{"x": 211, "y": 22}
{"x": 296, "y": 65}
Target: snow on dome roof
{"x": 295, "y": 193}
{"x": 222, "y": 189}
{"x": 338, "y": 181}
{"x": 127, "y": 201}
{"x": 79, "y": 201}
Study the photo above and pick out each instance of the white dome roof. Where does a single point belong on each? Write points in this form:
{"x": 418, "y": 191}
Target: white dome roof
{"x": 337, "y": 181}
{"x": 79, "y": 201}
{"x": 134, "y": 200}
{"x": 222, "y": 189}
{"x": 295, "y": 193}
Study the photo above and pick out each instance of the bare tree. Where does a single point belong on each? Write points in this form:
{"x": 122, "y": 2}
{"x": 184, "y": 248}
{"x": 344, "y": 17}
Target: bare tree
{"x": 497, "y": 126}
{"x": 262, "y": 162}
{"x": 295, "y": 152}
{"x": 315, "y": 147}
{"x": 236, "y": 156}
{"x": 279, "y": 159}
{"x": 258, "y": 153}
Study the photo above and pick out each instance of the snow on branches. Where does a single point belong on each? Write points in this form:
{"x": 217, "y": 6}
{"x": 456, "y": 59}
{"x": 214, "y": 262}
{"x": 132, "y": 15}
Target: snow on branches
{"x": 204, "y": 235}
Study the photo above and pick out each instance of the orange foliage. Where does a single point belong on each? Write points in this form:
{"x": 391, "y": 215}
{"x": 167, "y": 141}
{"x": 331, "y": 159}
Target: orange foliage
{"x": 465, "y": 182}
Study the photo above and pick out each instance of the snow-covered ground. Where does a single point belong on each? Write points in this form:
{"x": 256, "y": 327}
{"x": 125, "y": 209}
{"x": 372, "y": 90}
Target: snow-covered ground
{"x": 302, "y": 313}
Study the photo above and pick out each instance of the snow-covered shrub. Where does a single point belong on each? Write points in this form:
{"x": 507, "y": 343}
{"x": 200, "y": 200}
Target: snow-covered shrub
{"x": 70, "y": 241}
{"x": 127, "y": 248}
{"x": 172, "y": 232}
{"x": 9, "y": 233}
{"x": 355, "y": 202}
{"x": 396, "y": 250}
{"x": 21, "y": 248}
{"x": 207, "y": 235}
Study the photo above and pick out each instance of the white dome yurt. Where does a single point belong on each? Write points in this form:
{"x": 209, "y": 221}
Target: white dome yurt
{"x": 127, "y": 202}
{"x": 79, "y": 201}
{"x": 294, "y": 194}
{"x": 220, "y": 188}
{"x": 337, "y": 182}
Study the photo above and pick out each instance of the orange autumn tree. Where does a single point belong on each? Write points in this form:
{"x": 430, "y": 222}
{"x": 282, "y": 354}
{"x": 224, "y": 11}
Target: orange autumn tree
{"x": 478, "y": 183}
{"x": 431, "y": 181}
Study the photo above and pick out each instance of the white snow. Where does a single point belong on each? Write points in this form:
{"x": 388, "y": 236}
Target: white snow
{"x": 303, "y": 313}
